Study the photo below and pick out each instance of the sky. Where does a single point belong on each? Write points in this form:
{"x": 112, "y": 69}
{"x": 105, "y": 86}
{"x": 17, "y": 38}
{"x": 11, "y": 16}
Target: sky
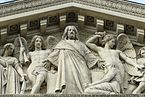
{"x": 139, "y": 1}
{"x": 1, "y": 1}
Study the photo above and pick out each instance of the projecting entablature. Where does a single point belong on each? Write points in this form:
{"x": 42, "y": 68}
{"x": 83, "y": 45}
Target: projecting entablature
{"x": 26, "y": 17}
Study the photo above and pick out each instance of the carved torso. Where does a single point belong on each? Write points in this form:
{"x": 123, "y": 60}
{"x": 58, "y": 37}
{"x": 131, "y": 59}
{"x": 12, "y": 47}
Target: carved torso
{"x": 37, "y": 57}
{"x": 109, "y": 56}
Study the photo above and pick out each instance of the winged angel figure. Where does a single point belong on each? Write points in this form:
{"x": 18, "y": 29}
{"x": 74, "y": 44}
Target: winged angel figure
{"x": 51, "y": 42}
{"x": 113, "y": 80}
{"x": 139, "y": 81}
{"x": 36, "y": 69}
{"x": 19, "y": 43}
{"x": 124, "y": 44}
{"x": 12, "y": 72}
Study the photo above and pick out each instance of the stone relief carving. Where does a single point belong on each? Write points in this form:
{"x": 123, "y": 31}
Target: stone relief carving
{"x": 140, "y": 79}
{"x": 37, "y": 72}
{"x": 73, "y": 60}
{"x": 66, "y": 65}
{"x": 124, "y": 44}
{"x": 12, "y": 73}
{"x": 51, "y": 42}
{"x": 112, "y": 82}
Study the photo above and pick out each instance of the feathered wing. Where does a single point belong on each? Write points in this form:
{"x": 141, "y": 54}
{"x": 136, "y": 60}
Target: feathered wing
{"x": 19, "y": 42}
{"x": 51, "y": 42}
{"x": 18, "y": 45}
{"x": 124, "y": 44}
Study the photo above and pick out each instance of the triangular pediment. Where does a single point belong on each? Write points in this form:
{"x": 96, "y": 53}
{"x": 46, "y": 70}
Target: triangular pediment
{"x": 20, "y": 14}
{"x": 27, "y": 18}
{"x": 118, "y": 8}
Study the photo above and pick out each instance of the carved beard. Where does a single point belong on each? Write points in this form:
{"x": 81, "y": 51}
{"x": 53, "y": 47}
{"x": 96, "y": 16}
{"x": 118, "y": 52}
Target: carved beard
{"x": 71, "y": 37}
{"x": 38, "y": 45}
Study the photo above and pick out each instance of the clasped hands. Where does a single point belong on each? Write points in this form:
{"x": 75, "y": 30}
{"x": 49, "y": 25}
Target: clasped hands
{"x": 45, "y": 62}
{"x": 101, "y": 64}
{"x": 23, "y": 77}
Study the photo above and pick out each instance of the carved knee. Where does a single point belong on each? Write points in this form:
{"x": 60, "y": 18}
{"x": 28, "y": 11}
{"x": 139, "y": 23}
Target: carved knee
{"x": 87, "y": 90}
{"x": 39, "y": 80}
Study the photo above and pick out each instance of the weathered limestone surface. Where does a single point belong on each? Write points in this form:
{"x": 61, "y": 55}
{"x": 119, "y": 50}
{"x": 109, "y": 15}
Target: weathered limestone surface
{"x": 72, "y": 48}
{"x": 72, "y": 95}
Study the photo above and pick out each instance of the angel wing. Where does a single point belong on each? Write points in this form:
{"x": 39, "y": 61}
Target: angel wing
{"x": 51, "y": 42}
{"x": 18, "y": 45}
{"x": 124, "y": 44}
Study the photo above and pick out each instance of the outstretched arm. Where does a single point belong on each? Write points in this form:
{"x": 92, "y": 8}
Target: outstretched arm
{"x": 23, "y": 58}
{"x": 19, "y": 70}
{"x": 91, "y": 43}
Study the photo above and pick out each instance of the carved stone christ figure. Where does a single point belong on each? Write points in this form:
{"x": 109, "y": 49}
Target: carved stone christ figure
{"x": 37, "y": 73}
{"x": 113, "y": 80}
{"x": 14, "y": 70}
{"x": 73, "y": 60}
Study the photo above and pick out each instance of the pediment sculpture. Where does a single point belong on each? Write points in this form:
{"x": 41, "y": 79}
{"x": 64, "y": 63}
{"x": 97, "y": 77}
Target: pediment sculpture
{"x": 67, "y": 66}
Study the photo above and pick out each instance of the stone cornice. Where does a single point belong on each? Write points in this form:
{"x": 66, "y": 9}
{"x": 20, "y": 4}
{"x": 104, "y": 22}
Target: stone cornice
{"x": 113, "y": 5}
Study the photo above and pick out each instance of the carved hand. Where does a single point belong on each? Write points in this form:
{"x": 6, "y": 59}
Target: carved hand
{"x": 53, "y": 71}
{"x": 86, "y": 85}
{"x": 101, "y": 64}
{"x": 22, "y": 49}
{"x": 140, "y": 67}
{"x": 45, "y": 61}
{"x": 23, "y": 77}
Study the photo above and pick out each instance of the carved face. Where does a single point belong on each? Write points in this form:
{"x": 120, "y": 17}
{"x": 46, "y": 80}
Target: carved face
{"x": 10, "y": 50}
{"x": 112, "y": 43}
{"x": 38, "y": 42}
{"x": 142, "y": 53}
{"x": 71, "y": 33}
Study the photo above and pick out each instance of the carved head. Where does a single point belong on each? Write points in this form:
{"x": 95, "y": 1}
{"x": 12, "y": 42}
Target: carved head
{"x": 8, "y": 49}
{"x": 102, "y": 34}
{"x": 110, "y": 39}
{"x": 37, "y": 42}
{"x": 141, "y": 52}
{"x": 71, "y": 33}
{"x": 51, "y": 41}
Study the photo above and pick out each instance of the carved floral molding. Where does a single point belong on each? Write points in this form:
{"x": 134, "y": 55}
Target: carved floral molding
{"x": 114, "y": 5}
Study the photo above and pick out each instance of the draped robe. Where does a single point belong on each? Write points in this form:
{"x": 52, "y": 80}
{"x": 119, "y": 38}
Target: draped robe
{"x": 73, "y": 59}
{"x": 13, "y": 77}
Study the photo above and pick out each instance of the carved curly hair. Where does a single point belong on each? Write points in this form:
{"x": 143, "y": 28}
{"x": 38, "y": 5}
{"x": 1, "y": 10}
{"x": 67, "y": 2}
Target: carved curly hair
{"x": 32, "y": 44}
{"x": 107, "y": 38}
{"x": 139, "y": 52}
{"x": 6, "y": 46}
{"x": 65, "y": 34}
